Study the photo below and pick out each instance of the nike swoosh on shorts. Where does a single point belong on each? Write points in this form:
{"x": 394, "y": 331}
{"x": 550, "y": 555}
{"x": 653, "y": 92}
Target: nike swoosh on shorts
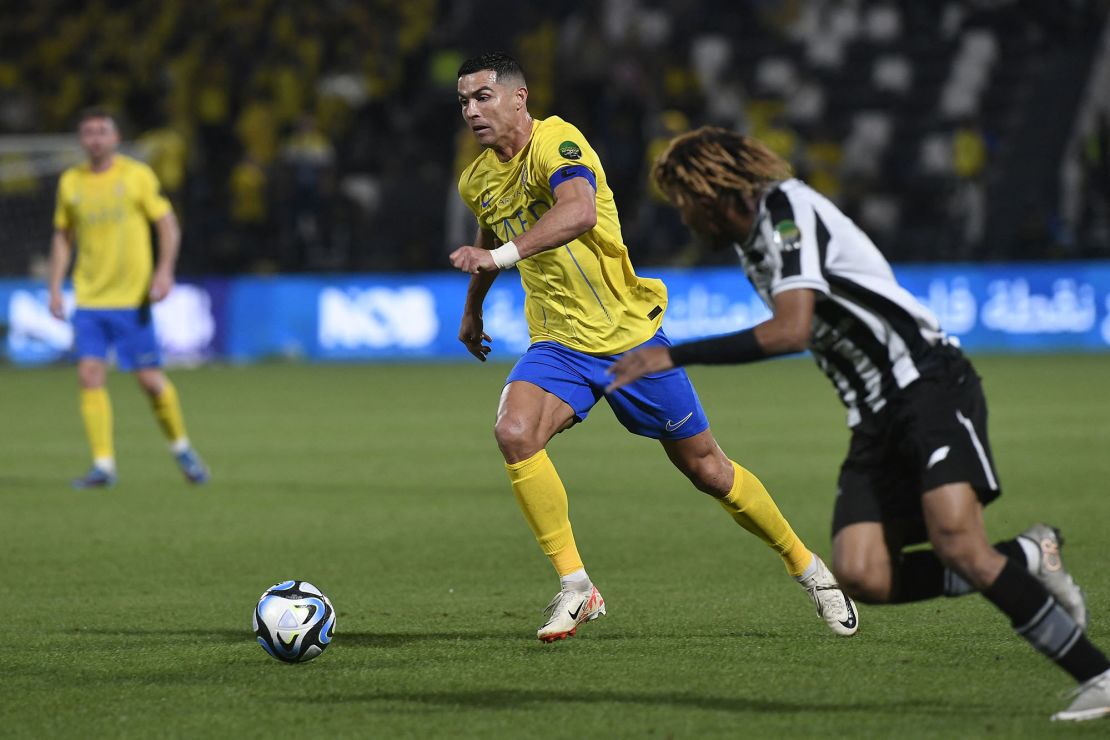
{"x": 670, "y": 427}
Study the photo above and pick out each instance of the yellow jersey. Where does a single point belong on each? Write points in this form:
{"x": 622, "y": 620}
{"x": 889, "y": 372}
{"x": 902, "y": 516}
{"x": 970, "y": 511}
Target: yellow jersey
{"x": 109, "y": 213}
{"x": 584, "y": 294}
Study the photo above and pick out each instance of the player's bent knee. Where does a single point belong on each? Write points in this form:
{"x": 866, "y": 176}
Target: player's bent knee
{"x": 865, "y": 584}
{"x": 89, "y": 381}
{"x": 707, "y": 473}
{"x": 706, "y": 466}
{"x": 91, "y": 376}
{"x": 516, "y": 439}
{"x": 709, "y": 476}
{"x": 152, "y": 384}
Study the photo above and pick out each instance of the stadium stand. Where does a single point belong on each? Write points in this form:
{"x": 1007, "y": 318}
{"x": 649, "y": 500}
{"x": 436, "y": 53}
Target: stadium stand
{"x": 324, "y": 136}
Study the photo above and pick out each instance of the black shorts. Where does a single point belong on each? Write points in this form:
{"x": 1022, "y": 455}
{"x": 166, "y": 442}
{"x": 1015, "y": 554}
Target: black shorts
{"x": 932, "y": 433}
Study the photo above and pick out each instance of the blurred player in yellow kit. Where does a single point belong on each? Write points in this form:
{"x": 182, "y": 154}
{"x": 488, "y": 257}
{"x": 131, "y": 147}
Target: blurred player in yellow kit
{"x": 106, "y": 206}
{"x": 540, "y": 195}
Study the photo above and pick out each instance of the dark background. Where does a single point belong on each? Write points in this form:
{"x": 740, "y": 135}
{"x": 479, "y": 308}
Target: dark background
{"x": 325, "y": 136}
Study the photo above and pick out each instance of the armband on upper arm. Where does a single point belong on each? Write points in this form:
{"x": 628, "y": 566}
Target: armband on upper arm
{"x": 569, "y": 172}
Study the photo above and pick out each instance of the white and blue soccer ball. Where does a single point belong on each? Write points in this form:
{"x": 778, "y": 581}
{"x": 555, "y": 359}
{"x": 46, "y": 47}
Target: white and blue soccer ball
{"x": 294, "y": 621}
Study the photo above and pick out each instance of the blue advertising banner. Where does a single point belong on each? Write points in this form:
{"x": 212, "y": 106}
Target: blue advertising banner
{"x": 187, "y": 323}
{"x": 1036, "y": 307}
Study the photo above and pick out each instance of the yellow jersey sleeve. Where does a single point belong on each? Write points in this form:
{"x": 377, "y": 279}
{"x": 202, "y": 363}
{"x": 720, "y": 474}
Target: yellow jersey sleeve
{"x": 468, "y": 187}
{"x": 153, "y": 204}
{"x": 561, "y": 152}
{"x": 63, "y": 217}
{"x": 477, "y": 186}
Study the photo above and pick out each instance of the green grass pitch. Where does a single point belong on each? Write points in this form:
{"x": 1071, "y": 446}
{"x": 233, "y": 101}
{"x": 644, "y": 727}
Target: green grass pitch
{"x": 127, "y": 612}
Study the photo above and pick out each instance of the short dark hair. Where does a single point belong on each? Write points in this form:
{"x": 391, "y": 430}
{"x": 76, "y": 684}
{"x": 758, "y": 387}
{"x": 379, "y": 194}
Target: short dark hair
{"x": 498, "y": 62}
{"x": 88, "y": 114}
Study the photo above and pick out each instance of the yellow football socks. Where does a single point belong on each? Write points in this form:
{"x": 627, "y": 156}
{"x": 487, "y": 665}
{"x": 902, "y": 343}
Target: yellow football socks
{"x": 753, "y": 509}
{"x": 167, "y": 408}
{"x": 543, "y": 500}
{"x": 96, "y": 411}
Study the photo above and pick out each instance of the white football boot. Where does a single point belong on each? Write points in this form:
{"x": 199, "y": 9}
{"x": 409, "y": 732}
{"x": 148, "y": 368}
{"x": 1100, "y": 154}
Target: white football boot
{"x": 833, "y": 605}
{"x": 568, "y": 610}
{"x": 1052, "y": 574}
{"x": 1092, "y": 701}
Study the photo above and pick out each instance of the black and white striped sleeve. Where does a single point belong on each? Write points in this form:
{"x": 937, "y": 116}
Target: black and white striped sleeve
{"x": 798, "y": 239}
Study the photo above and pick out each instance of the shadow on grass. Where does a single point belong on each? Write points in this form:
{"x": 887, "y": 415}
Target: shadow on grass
{"x": 360, "y": 639}
{"x": 525, "y": 699}
{"x": 401, "y": 639}
{"x": 217, "y": 635}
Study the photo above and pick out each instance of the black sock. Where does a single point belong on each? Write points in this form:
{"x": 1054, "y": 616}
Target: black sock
{"x": 918, "y": 577}
{"x": 922, "y": 576}
{"x": 954, "y": 583}
{"x": 1012, "y": 550}
{"x": 1036, "y": 616}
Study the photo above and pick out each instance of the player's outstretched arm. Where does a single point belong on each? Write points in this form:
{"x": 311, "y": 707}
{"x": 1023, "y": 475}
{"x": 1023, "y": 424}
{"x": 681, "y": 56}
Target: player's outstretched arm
{"x": 634, "y": 365}
{"x": 60, "y": 253}
{"x": 169, "y": 242}
{"x": 786, "y": 332}
{"x": 471, "y": 330}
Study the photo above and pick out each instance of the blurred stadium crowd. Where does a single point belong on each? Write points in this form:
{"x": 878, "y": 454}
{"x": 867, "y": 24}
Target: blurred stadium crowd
{"x": 296, "y": 136}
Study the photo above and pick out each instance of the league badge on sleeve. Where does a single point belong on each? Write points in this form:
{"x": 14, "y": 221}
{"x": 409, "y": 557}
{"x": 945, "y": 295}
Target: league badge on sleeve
{"x": 787, "y": 236}
{"x": 570, "y": 150}
{"x": 787, "y": 241}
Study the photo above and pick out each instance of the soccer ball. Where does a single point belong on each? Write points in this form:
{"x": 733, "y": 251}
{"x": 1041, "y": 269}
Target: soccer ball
{"x": 294, "y": 621}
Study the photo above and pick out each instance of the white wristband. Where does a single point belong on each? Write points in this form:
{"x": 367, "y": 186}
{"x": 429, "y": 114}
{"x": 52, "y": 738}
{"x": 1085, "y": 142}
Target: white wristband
{"x": 505, "y": 256}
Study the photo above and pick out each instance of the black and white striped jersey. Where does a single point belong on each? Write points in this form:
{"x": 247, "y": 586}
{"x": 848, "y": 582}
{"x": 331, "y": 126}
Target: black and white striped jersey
{"x": 869, "y": 334}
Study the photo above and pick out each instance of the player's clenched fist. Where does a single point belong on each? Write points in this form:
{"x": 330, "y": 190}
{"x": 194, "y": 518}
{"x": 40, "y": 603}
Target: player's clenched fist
{"x": 472, "y": 260}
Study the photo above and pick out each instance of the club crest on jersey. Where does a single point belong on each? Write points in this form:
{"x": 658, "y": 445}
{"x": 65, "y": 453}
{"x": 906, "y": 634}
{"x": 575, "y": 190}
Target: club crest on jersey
{"x": 787, "y": 236}
{"x": 569, "y": 150}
